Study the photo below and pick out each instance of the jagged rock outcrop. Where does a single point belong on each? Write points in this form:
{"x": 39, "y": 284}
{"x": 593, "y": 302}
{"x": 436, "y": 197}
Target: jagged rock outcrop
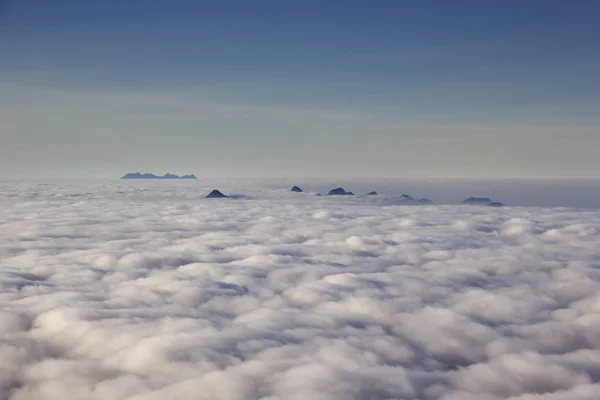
{"x": 373, "y": 193}
{"x": 297, "y": 189}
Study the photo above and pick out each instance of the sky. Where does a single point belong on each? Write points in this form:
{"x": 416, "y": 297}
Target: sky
{"x": 352, "y": 89}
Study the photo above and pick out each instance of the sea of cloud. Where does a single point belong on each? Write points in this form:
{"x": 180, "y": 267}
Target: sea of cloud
{"x": 147, "y": 290}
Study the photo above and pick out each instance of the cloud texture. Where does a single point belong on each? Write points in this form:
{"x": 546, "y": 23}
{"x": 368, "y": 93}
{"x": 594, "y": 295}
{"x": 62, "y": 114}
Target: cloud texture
{"x": 143, "y": 291}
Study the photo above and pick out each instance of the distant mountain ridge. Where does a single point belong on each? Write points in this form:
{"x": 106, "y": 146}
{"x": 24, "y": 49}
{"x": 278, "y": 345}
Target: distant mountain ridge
{"x": 137, "y": 175}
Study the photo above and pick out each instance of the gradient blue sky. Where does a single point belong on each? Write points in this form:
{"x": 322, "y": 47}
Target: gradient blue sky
{"x": 314, "y": 88}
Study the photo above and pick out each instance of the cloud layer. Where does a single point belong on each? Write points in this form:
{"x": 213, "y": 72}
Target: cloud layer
{"x": 146, "y": 291}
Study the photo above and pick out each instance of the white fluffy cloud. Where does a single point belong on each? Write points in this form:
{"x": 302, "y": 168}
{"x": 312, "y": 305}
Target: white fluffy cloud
{"x": 149, "y": 291}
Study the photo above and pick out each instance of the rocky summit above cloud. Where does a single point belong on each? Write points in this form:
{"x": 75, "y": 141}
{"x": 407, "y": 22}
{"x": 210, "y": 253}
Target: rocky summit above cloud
{"x": 339, "y": 192}
{"x": 215, "y": 194}
{"x": 297, "y": 189}
{"x": 477, "y": 201}
{"x": 482, "y": 201}
{"x": 138, "y": 175}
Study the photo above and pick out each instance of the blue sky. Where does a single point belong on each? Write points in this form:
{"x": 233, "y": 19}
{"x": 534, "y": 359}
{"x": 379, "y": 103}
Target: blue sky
{"x": 312, "y": 88}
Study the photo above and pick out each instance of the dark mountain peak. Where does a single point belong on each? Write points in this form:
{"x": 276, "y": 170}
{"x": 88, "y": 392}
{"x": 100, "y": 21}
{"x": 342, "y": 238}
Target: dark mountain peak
{"x": 215, "y": 194}
{"x": 339, "y": 192}
{"x": 477, "y": 201}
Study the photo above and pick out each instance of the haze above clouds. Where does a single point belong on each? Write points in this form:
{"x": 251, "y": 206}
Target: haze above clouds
{"x": 149, "y": 291}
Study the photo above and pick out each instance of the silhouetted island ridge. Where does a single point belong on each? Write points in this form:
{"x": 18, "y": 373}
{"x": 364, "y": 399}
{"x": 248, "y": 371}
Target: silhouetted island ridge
{"x": 137, "y": 175}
